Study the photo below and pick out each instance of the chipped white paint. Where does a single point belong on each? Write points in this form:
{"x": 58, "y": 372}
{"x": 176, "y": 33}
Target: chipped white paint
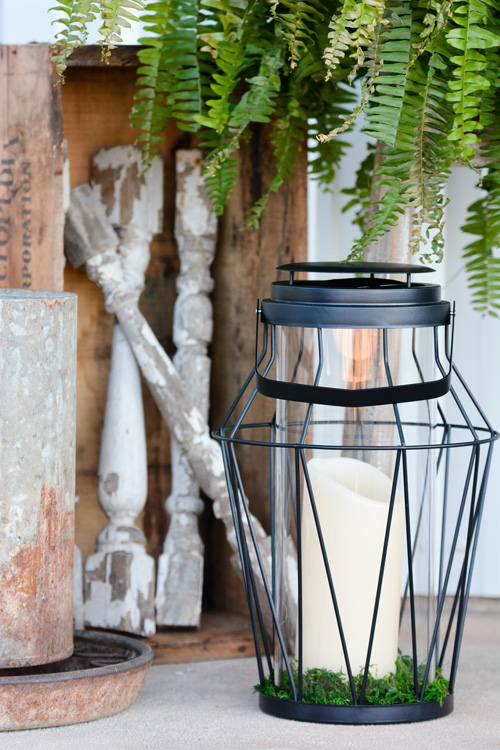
{"x": 37, "y": 466}
{"x": 119, "y": 577}
{"x": 180, "y": 567}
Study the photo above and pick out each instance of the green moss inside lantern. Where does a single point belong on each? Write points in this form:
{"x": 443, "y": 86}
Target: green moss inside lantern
{"x": 332, "y": 688}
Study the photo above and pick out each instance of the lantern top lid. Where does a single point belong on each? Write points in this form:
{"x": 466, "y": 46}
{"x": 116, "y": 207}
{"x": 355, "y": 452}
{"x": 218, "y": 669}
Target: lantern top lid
{"x": 357, "y": 294}
{"x": 357, "y": 266}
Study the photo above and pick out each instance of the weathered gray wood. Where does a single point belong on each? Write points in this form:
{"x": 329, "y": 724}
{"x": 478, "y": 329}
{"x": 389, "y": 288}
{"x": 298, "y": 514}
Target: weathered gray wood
{"x": 31, "y": 160}
{"x": 180, "y": 566}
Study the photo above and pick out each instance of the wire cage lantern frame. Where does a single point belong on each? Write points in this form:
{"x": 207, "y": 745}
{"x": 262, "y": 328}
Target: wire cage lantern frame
{"x": 354, "y": 304}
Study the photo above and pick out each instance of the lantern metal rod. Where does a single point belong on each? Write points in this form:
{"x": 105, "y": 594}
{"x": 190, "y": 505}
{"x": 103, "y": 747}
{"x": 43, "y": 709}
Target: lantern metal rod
{"x": 452, "y": 390}
{"x": 479, "y": 513}
{"x": 317, "y": 377}
{"x": 264, "y": 578}
{"x": 320, "y": 447}
{"x": 409, "y": 550}
{"x": 272, "y": 499}
{"x": 243, "y": 558}
{"x": 415, "y": 539}
{"x": 473, "y": 520}
{"x": 444, "y": 513}
{"x": 473, "y": 517}
{"x": 442, "y": 593}
{"x": 246, "y": 566}
{"x": 477, "y": 520}
{"x": 254, "y": 392}
{"x": 380, "y": 577}
{"x": 409, "y": 554}
{"x": 245, "y": 384}
{"x": 329, "y": 576}
{"x": 474, "y": 401}
{"x": 299, "y": 576}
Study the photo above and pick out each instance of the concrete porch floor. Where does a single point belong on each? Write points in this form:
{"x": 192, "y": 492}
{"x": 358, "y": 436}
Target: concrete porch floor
{"x": 206, "y": 705}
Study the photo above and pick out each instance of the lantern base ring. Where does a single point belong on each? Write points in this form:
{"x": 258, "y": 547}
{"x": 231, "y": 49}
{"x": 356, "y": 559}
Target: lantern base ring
{"x": 402, "y": 713}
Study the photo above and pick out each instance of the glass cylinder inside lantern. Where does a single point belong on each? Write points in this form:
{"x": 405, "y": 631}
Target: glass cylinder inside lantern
{"x": 349, "y": 492}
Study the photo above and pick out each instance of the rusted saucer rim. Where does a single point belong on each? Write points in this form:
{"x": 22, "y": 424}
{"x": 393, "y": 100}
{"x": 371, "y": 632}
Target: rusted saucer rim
{"x": 143, "y": 659}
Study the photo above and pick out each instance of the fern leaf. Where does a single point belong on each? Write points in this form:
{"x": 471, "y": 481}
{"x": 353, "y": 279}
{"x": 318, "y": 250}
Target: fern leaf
{"x": 169, "y": 78}
{"x": 299, "y": 25}
{"x": 373, "y": 65}
{"x": 482, "y": 255}
{"x": 117, "y": 14}
{"x": 386, "y": 101}
{"x": 354, "y": 29}
{"x": 287, "y": 135}
{"x": 256, "y": 105}
{"x": 74, "y": 15}
{"x": 470, "y": 36}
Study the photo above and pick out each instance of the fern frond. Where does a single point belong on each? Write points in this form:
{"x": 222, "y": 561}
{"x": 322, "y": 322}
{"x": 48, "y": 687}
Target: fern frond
{"x": 240, "y": 22}
{"x": 169, "y": 78}
{"x": 471, "y": 35}
{"x": 117, "y": 15}
{"x": 74, "y": 16}
{"x": 220, "y": 182}
{"x": 354, "y": 28}
{"x": 437, "y": 13}
{"x": 287, "y": 135}
{"x": 256, "y": 105}
{"x": 392, "y": 203}
{"x": 373, "y": 64}
{"x": 482, "y": 255}
{"x": 299, "y": 25}
{"x": 386, "y": 99}
{"x": 432, "y": 157}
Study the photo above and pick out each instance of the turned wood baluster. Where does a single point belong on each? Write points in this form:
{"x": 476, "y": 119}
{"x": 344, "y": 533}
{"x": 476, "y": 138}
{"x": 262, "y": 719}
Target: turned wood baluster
{"x": 180, "y": 567}
{"x": 119, "y": 577}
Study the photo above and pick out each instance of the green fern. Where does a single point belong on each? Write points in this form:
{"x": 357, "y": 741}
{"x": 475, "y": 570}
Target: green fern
{"x": 74, "y": 15}
{"x": 256, "y": 105}
{"x": 299, "y": 25}
{"x": 482, "y": 254}
{"x": 169, "y": 78}
{"x": 437, "y": 13}
{"x": 117, "y": 15}
{"x": 386, "y": 99}
{"x": 354, "y": 29}
{"x": 470, "y": 35}
{"x": 239, "y": 21}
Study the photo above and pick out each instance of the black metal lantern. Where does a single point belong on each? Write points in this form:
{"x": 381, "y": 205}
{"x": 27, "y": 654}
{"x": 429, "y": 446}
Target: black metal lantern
{"x": 377, "y": 457}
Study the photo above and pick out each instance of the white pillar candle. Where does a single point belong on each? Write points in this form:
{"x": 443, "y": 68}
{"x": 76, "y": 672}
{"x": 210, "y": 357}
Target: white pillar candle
{"x": 352, "y": 500}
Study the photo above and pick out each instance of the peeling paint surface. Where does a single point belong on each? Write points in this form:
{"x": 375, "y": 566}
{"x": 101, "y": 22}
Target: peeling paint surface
{"x": 37, "y": 446}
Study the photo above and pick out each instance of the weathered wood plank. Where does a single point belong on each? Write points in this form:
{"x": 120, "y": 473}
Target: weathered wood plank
{"x": 31, "y": 167}
{"x": 221, "y": 636}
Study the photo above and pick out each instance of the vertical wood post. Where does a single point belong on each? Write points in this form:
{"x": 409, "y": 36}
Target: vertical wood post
{"x": 180, "y": 567}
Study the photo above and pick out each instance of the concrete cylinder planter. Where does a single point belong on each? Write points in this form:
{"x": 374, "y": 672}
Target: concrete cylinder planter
{"x": 37, "y": 469}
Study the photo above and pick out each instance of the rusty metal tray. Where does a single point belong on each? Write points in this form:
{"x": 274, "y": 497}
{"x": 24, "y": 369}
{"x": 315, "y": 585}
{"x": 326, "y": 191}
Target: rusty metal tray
{"x": 101, "y": 678}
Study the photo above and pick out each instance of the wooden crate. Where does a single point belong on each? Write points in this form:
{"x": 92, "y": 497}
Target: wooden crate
{"x": 96, "y": 101}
